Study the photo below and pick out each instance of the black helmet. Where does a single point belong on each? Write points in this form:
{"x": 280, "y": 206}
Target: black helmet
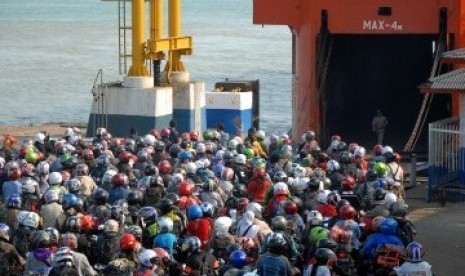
{"x": 100, "y": 196}
{"x": 276, "y": 243}
{"x": 346, "y": 157}
{"x": 280, "y": 177}
{"x": 371, "y": 175}
{"x": 73, "y": 224}
{"x": 151, "y": 169}
{"x": 342, "y": 203}
{"x": 39, "y": 239}
{"x": 70, "y": 163}
{"x": 175, "y": 150}
{"x": 279, "y": 223}
{"x": 165, "y": 205}
{"x": 326, "y": 243}
{"x": 228, "y": 157}
{"x": 342, "y": 146}
{"x": 174, "y": 197}
{"x": 160, "y": 146}
{"x": 379, "y": 194}
{"x": 314, "y": 184}
{"x": 134, "y": 197}
{"x": 389, "y": 156}
{"x": 116, "y": 212}
{"x": 239, "y": 190}
{"x": 323, "y": 255}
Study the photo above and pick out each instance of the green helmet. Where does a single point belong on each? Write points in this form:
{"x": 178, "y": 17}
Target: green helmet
{"x": 32, "y": 157}
{"x": 207, "y": 135}
{"x": 249, "y": 153}
{"x": 381, "y": 168}
{"x": 258, "y": 162}
{"x": 318, "y": 233}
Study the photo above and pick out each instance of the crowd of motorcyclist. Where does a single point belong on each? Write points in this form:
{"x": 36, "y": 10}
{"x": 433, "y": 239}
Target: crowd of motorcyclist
{"x": 165, "y": 203}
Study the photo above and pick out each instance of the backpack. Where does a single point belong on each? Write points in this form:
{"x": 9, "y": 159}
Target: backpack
{"x": 120, "y": 267}
{"x": 21, "y": 241}
{"x": 220, "y": 247}
{"x": 107, "y": 248}
{"x": 64, "y": 264}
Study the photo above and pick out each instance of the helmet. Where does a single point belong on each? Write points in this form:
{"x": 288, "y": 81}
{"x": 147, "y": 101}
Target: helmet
{"x": 28, "y": 169}
{"x": 29, "y": 219}
{"x": 149, "y": 140}
{"x": 371, "y": 175}
{"x": 103, "y": 160}
{"x": 166, "y": 224}
{"x": 381, "y": 168}
{"x": 346, "y": 157}
{"x": 415, "y": 252}
{"x": 261, "y": 135}
{"x": 88, "y": 155}
{"x": 4, "y": 231}
{"x": 238, "y": 259}
{"x": 352, "y": 147}
{"x": 39, "y": 239}
{"x": 194, "y": 212}
{"x": 87, "y": 223}
{"x": 280, "y": 177}
{"x": 388, "y": 226}
{"x": 165, "y": 132}
{"x": 69, "y": 201}
{"x": 389, "y": 199}
{"x": 322, "y": 197}
{"x": 14, "y": 201}
{"x": 174, "y": 197}
{"x": 249, "y": 153}
{"x": 73, "y": 185}
{"x": 317, "y": 233}
{"x": 389, "y": 156}
{"x": 165, "y": 205}
{"x": 332, "y": 166}
{"x": 82, "y": 169}
{"x": 43, "y": 168}
{"x": 55, "y": 178}
{"x": 51, "y": 196}
{"x": 194, "y": 135}
{"x": 185, "y": 155}
{"x": 164, "y": 167}
{"x": 120, "y": 179}
{"x": 240, "y": 159}
{"x": 160, "y": 146}
{"x": 100, "y": 196}
{"x": 200, "y": 148}
{"x": 73, "y": 224}
{"x": 191, "y": 244}
{"x": 185, "y": 189}
{"x": 9, "y": 140}
{"x": 379, "y": 194}
{"x": 290, "y": 207}
{"x": 279, "y": 223}
{"x": 150, "y": 169}
{"x": 175, "y": 151}
{"x": 127, "y": 242}
{"x": 154, "y": 133}
{"x": 32, "y": 156}
{"x": 324, "y": 255}
{"x": 280, "y": 188}
{"x": 125, "y": 156}
{"x": 223, "y": 223}
{"x": 14, "y": 173}
{"x": 378, "y": 149}
{"x": 148, "y": 257}
{"x": 314, "y": 218}
{"x": 242, "y": 203}
{"x": 148, "y": 213}
{"x": 111, "y": 225}
{"x": 232, "y": 144}
{"x": 134, "y": 197}
{"x": 333, "y": 198}
{"x": 348, "y": 183}
{"x": 53, "y": 234}
{"x": 275, "y": 243}
{"x": 347, "y": 212}
{"x": 359, "y": 152}
{"x": 376, "y": 222}
{"x": 326, "y": 243}
{"x": 387, "y": 149}
{"x": 135, "y": 230}
{"x": 208, "y": 209}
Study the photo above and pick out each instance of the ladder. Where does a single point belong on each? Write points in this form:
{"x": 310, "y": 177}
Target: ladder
{"x": 124, "y": 35}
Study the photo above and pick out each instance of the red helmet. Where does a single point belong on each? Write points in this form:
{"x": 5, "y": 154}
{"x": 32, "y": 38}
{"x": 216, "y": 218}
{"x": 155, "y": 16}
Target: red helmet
{"x": 88, "y": 155}
{"x": 366, "y": 224}
{"x": 185, "y": 189}
{"x": 125, "y": 156}
{"x": 194, "y": 135}
{"x": 127, "y": 242}
{"x": 9, "y": 140}
{"x": 14, "y": 173}
{"x": 120, "y": 179}
{"x": 259, "y": 172}
{"x": 352, "y": 147}
{"x": 165, "y": 132}
{"x": 290, "y": 208}
{"x": 348, "y": 183}
{"x": 186, "y": 136}
{"x": 154, "y": 133}
{"x": 186, "y": 202}
{"x": 378, "y": 149}
{"x": 161, "y": 253}
{"x": 87, "y": 223}
{"x": 348, "y": 212}
{"x": 22, "y": 152}
{"x": 164, "y": 167}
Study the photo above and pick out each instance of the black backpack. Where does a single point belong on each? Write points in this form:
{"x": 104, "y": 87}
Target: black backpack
{"x": 21, "y": 240}
{"x": 107, "y": 248}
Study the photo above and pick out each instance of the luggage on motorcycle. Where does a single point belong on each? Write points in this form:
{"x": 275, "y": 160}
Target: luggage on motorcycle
{"x": 21, "y": 241}
{"x": 120, "y": 267}
{"x": 355, "y": 200}
{"x": 107, "y": 248}
{"x": 390, "y": 255}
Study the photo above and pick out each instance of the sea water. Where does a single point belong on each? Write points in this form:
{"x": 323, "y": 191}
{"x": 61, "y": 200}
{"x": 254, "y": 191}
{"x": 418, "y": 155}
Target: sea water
{"x": 51, "y": 50}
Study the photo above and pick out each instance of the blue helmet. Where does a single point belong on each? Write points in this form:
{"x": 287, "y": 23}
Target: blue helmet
{"x": 14, "y": 201}
{"x": 414, "y": 252}
{"x": 194, "y": 212}
{"x": 191, "y": 244}
{"x": 185, "y": 155}
{"x": 388, "y": 226}
{"x": 218, "y": 169}
{"x": 69, "y": 201}
{"x": 238, "y": 259}
{"x": 148, "y": 213}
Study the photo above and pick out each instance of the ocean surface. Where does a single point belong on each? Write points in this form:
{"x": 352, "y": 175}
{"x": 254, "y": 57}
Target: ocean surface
{"x": 51, "y": 50}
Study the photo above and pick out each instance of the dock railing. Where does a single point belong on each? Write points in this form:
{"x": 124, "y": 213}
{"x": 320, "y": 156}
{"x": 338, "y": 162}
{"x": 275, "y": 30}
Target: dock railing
{"x": 444, "y": 155}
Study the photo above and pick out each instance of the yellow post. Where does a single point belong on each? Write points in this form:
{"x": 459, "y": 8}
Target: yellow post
{"x": 156, "y": 19}
{"x": 175, "y": 63}
{"x": 138, "y": 68}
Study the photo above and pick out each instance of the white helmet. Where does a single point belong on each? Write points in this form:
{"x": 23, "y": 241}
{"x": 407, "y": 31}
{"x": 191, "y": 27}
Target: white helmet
{"x": 69, "y": 132}
{"x": 191, "y": 168}
{"x": 177, "y": 178}
{"x": 166, "y": 224}
{"x": 149, "y": 140}
{"x": 199, "y": 164}
{"x": 334, "y": 144}
{"x": 322, "y": 196}
{"x": 219, "y": 154}
{"x": 286, "y": 149}
{"x": 280, "y": 188}
{"x": 206, "y": 163}
{"x": 387, "y": 149}
{"x": 232, "y": 144}
{"x": 299, "y": 171}
{"x": 389, "y": 199}
{"x": 333, "y": 166}
{"x": 223, "y": 224}
{"x": 359, "y": 151}
{"x": 43, "y": 168}
{"x": 240, "y": 159}
{"x": 254, "y": 207}
{"x": 39, "y": 138}
{"x": 108, "y": 175}
{"x": 111, "y": 225}
{"x": 55, "y": 178}
{"x": 29, "y": 219}
{"x": 314, "y": 217}
{"x": 200, "y": 148}
{"x": 146, "y": 258}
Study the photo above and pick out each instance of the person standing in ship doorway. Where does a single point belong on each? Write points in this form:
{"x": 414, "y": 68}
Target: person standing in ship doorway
{"x": 379, "y": 124}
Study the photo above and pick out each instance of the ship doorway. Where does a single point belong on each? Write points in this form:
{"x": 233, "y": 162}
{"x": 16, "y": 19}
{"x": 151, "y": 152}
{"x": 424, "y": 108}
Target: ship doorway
{"x": 382, "y": 72}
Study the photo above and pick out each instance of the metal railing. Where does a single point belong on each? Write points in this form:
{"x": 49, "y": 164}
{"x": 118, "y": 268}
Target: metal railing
{"x": 444, "y": 153}
{"x": 99, "y": 92}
